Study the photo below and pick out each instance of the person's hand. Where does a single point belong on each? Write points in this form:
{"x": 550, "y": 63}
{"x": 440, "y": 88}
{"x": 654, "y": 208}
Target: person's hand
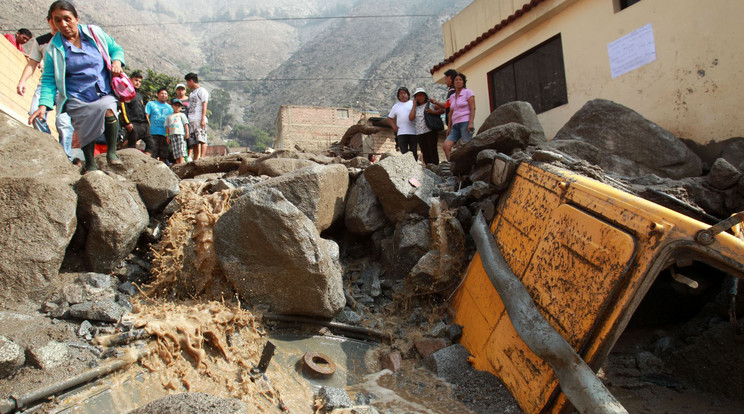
{"x": 39, "y": 113}
{"x": 116, "y": 68}
{"x": 167, "y": 140}
{"x": 203, "y": 123}
{"x": 129, "y": 127}
{"x": 21, "y": 88}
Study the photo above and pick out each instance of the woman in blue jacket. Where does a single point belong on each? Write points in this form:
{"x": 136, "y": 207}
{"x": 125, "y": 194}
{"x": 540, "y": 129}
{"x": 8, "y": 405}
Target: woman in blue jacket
{"x": 75, "y": 68}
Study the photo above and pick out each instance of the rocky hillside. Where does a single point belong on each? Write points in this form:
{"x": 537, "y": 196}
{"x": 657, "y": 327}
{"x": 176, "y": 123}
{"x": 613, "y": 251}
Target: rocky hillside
{"x": 263, "y": 55}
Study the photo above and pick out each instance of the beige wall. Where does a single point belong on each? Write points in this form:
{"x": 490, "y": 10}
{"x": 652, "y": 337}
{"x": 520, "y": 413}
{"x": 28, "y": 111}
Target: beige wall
{"x": 694, "y": 88}
{"x": 12, "y": 63}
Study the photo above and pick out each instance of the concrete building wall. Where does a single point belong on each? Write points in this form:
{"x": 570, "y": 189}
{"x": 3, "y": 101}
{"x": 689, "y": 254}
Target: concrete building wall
{"x": 693, "y": 88}
{"x": 12, "y": 63}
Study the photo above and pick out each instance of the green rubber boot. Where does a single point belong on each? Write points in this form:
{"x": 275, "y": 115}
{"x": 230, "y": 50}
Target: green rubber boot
{"x": 111, "y": 132}
{"x": 89, "y": 151}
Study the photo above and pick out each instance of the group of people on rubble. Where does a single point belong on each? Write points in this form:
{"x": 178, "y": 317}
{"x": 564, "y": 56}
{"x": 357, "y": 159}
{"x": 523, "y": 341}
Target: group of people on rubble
{"x": 79, "y": 63}
{"x": 408, "y": 118}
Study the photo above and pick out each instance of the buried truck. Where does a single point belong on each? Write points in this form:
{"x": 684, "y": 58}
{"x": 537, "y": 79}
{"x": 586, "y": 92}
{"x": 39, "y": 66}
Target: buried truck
{"x": 586, "y": 254}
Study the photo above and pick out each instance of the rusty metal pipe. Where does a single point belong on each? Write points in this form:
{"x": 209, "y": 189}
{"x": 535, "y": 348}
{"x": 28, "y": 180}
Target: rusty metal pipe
{"x": 13, "y": 403}
{"x": 582, "y": 387}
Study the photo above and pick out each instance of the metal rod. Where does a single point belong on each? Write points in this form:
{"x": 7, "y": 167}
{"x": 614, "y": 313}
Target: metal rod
{"x": 360, "y": 330}
{"x": 13, "y": 403}
{"x": 582, "y": 387}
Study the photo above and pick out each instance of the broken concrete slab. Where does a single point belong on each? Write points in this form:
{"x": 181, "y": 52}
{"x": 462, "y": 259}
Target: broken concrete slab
{"x": 402, "y": 185}
{"x": 503, "y": 138}
{"x": 49, "y": 355}
{"x": 519, "y": 112}
{"x": 273, "y": 255}
{"x": 11, "y": 357}
{"x": 113, "y": 215}
{"x": 448, "y": 362}
{"x": 502, "y": 171}
{"x": 156, "y": 183}
{"x": 334, "y": 398}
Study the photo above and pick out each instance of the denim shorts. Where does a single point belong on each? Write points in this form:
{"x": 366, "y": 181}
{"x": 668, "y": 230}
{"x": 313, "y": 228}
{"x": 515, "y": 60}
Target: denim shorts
{"x": 459, "y": 131}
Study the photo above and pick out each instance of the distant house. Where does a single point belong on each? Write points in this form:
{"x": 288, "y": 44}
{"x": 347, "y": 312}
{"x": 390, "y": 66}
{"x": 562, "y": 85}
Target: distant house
{"x": 312, "y": 128}
{"x": 315, "y": 128}
{"x": 676, "y": 62}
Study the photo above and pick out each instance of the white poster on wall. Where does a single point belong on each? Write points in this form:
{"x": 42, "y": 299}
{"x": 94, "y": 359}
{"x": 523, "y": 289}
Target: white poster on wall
{"x": 632, "y": 51}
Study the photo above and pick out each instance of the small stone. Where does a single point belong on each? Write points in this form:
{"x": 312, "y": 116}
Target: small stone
{"x": 128, "y": 288}
{"x": 84, "y": 329}
{"x": 547, "y": 156}
{"x": 426, "y": 347}
{"x": 348, "y": 316}
{"x": 437, "y": 330}
{"x": 454, "y": 332}
{"x": 97, "y": 280}
{"x": 392, "y": 361}
{"x": 334, "y": 398}
{"x": 74, "y": 293}
{"x": 503, "y": 170}
{"x": 49, "y": 355}
{"x": 104, "y": 311}
{"x": 11, "y": 357}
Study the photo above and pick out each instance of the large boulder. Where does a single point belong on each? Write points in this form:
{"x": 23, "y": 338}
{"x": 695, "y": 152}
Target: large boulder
{"x": 274, "y": 256}
{"x": 503, "y": 138}
{"x": 157, "y": 184}
{"x": 319, "y": 191}
{"x": 519, "y": 112}
{"x": 410, "y": 242}
{"x": 37, "y": 208}
{"x": 113, "y": 216}
{"x": 402, "y": 186}
{"x": 275, "y": 167}
{"x": 628, "y": 144}
{"x": 364, "y": 214}
{"x": 442, "y": 266}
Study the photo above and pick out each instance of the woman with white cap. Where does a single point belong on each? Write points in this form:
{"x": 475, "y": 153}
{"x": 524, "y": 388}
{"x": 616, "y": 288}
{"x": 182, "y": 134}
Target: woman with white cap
{"x": 426, "y": 137}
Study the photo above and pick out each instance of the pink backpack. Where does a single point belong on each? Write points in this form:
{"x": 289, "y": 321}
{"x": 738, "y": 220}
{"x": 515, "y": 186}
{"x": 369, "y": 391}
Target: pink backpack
{"x": 122, "y": 85}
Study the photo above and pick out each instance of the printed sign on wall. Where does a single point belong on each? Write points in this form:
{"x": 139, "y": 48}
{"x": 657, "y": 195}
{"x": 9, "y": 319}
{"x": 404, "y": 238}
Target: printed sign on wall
{"x": 632, "y": 51}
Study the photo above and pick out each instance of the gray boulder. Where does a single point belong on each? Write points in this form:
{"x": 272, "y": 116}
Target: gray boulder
{"x": 364, "y": 214}
{"x": 391, "y": 178}
{"x": 113, "y": 215}
{"x": 411, "y": 241}
{"x": 628, "y": 144}
{"x": 156, "y": 183}
{"x": 723, "y": 175}
{"x": 11, "y": 357}
{"x": 519, "y": 112}
{"x": 275, "y": 167}
{"x": 319, "y": 191}
{"x": 38, "y": 208}
{"x": 503, "y": 138}
{"x": 193, "y": 403}
{"x": 274, "y": 256}
{"x": 443, "y": 265}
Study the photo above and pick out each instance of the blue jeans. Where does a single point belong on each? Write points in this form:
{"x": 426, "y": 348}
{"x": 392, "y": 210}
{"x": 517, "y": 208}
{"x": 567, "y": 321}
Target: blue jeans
{"x": 65, "y": 130}
{"x": 459, "y": 131}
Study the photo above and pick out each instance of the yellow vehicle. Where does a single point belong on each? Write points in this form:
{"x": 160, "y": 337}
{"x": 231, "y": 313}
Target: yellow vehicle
{"x": 587, "y": 254}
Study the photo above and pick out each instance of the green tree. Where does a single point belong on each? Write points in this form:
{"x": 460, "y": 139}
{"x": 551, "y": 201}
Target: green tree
{"x": 252, "y": 137}
{"x": 219, "y": 105}
{"x": 153, "y": 81}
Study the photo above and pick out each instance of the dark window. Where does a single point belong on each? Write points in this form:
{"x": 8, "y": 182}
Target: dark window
{"x": 623, "y": 4}
{"x": 537, "y": 77}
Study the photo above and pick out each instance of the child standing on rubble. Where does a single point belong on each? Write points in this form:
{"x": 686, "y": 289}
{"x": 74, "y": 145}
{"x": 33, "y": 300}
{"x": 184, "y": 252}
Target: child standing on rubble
{"x": 177, "y": 128}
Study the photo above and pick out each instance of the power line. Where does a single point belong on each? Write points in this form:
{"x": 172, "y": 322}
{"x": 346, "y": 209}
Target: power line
{"x": 257, "y": 20}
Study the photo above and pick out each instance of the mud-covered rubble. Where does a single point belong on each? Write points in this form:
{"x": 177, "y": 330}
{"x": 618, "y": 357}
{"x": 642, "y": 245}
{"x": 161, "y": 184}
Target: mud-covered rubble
{"x": 380, "y": 246}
